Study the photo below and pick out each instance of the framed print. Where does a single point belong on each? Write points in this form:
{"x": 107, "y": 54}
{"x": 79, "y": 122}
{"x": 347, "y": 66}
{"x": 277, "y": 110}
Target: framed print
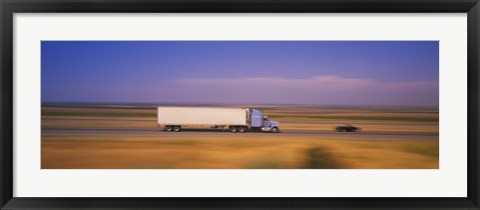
{"x": 252, "y": 105}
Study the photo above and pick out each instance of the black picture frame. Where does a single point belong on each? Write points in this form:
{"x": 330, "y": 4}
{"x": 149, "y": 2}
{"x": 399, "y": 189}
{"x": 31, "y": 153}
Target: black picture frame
{"x": 9, "y": 7}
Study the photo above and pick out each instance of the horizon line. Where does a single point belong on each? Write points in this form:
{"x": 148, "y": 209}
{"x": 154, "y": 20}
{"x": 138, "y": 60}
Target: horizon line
{"x": 241, "y": 104}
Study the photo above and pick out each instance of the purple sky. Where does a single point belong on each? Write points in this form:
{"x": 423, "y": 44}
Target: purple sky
{"x": 245, "y": 72}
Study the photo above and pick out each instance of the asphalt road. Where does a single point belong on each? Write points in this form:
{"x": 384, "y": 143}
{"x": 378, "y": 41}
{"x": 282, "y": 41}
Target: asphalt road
{"x": 142, "y": 131}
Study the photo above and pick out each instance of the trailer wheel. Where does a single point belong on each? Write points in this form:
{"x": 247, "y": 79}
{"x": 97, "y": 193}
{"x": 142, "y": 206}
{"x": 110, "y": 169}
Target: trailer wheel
{"x": 176, "y": 128}
{"x": 275, "y": 130}
{"x": 241, "y": 129}
{"x": 168, "y": 128}
{"x": 233, "y": 129}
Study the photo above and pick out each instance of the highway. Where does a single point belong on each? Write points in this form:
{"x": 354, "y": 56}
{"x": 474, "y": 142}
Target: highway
{"x": 140, "y": 132}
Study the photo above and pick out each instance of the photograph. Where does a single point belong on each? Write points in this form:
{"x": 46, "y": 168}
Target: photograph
{"x": 240, "y": 104}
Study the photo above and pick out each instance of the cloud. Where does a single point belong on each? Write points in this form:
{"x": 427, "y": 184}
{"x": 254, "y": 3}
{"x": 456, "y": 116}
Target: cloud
{"x": 320, "y": 89}
{"x": 278, "y": 82}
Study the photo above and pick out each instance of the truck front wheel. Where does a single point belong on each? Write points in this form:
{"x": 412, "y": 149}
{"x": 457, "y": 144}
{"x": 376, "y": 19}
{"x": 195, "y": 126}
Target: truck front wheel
{"x": 275, "y": 130}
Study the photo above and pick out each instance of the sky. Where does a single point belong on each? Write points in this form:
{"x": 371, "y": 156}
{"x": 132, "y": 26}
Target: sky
{"x": 348, "y": 73}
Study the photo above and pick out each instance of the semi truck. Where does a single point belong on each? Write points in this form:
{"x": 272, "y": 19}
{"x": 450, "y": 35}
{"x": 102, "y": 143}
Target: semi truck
{"x": 230, "y": 119}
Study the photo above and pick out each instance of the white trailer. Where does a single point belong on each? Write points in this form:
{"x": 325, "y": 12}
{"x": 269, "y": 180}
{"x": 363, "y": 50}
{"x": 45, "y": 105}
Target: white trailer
{"x": 233, "y": 119}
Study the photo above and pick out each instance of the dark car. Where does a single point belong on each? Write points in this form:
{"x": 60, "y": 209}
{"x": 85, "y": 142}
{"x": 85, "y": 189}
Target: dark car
{"x": 347, "y": 128}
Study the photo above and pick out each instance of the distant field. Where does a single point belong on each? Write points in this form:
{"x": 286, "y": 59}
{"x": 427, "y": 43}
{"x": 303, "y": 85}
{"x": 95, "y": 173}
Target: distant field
{"x": 371, "y": 114}
{"x": 108, "y": 136}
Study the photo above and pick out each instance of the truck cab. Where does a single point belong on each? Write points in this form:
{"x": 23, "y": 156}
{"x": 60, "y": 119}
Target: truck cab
{"x": 262, "y": 123}
{"x": 270, "y": 126}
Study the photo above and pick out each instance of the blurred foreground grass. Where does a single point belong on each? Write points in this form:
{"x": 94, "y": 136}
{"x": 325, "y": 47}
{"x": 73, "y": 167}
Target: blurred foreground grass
{"x": 235, "y": 152}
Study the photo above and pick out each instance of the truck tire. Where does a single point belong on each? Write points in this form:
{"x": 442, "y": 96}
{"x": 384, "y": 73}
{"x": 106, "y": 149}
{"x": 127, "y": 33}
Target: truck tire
{"x": 233, "y": 129}
{"x": 168, "y": 128}
{"x": 176, "y": 128}
{"x": 241, "y": 129}
{"x": 275, "y": 130}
